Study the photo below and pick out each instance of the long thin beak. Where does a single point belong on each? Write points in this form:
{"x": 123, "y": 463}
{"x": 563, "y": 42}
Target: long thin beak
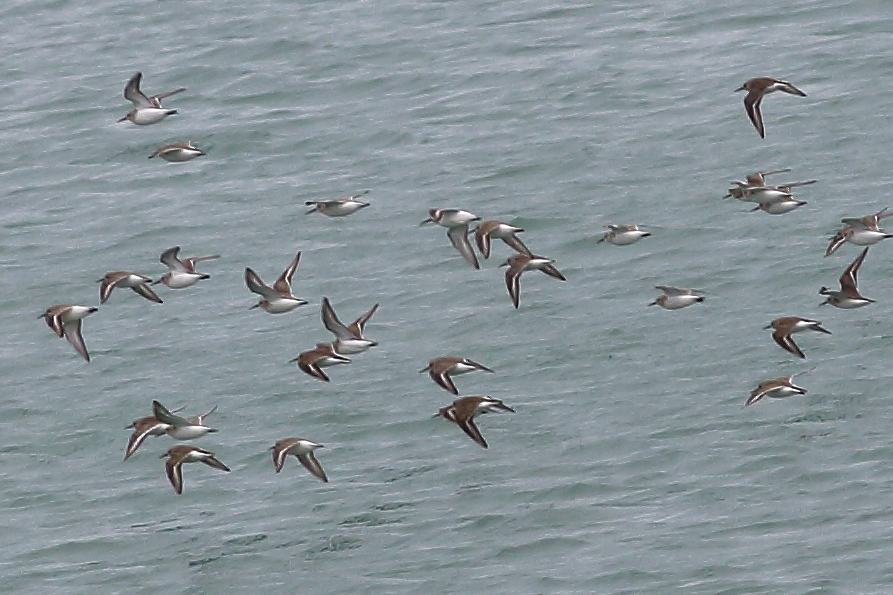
{"x": 767, "y": 327}
{"x": 123, "y": 119}
{"x": 741, "y": 88}
{"x": 428, "y": 220}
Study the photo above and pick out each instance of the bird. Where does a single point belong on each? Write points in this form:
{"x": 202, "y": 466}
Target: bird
{"x": 177, "y": 455}
{"x": 785, "y": 326}
{"x": 178, "y": 152}
{"x": 303, "y": 451}
{"x": 322, "y": 356}
{"x": 440, "y": 369}
{"x": 339, "y": 207}
{"x": 463, "y": 411}
{"x": 138, "y": 283}
{"x": 623, "y": 235}
{"x": 65, "y": 320}
{"x": 181, "y": 272}
{"x": 848, "y": 297}
{"x": 348, "y": 339}
{"x": 779, "y": 206}
{"x": 757, "y": 88}
{"x": 862, "y": 231}
{"x": 182, "y": 428}
{"x": 143, "y": 428}
{"x": 146, "y": 110}
{"x": 456, "y": 221}
{"x": 675, "y": 298}
{"x": 777, "y": 388}
{"x": 519, "y": 263}
{"x": 277, "y": 299}
{"x": 488, "y": 230}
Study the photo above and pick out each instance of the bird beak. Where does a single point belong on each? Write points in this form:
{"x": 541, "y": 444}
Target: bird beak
{"x": 741, "y": 88}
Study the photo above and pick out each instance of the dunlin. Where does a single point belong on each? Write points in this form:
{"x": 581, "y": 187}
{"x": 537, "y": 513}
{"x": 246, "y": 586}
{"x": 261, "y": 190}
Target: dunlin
{"x": 322, "y": 356}
{"x": 763, "y": 193}
{"x": 848, "y": 297}
{"x": 146, "y": 110}
{"x": 348, "y": 339}
{"x": 456, "y": 221}
{"x": 303, "y": 451}
{"x": 862, "y": 231}
{"x": 519, "y": 263}
{"x": 779, "y": 206}
{"x": 488, "y": 230}
{"x": 182, "y": 428}
{"x": 777, "y": 388}
{"x": 190, "y": 262}
{"x": 785, "y": 326}
{"x": 182, "y": 272}
{"x": 178, "y": 152}
{"x": 623, "y": 235}
{"x": 339, "y": 207}
{"x": 758, "y": 178}
{"x": 142, "y": 429}
{"x": 279, "y": 298}
{"x": 177, "y": 455}
{"x": 869, "y": 221}
{"x": 65, "y": 320}
{"x": 441, "y": 368}
{"x": 758, "y": 87}
{"x": 675, "y": 298}
{"x": 138, "y": 283}
{"x": 463, "y": 411}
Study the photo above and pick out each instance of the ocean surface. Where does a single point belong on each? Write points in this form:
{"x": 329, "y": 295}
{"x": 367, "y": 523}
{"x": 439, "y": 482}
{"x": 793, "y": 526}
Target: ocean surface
{"x": 630, "y": 465}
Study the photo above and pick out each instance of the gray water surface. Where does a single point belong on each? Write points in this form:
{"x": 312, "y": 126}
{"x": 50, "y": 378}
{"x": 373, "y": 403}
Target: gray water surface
{"x": 629, "y": 466}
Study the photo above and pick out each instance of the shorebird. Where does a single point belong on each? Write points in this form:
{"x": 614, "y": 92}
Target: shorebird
{"x": 322, "y": 356}
{"x": 463, "y": 411}
{"x": 757, "y": 88}
{"x": 779, "y": 206}
{"x": 182, "y": 272}
{"x": 65, "y": 320}
{"x": 456, "y": 221}
{"x": 785, "y": 326}
{"x": 848, "y": 297}
{"x": 182, "y": 428}
{"x": 178, "y": 152}
{"x": 862, "y": 231}
{"x": 125, "y": 279}
{"x": 675, "y": 298}
{"x": 177, "y": 455}
{"x": 777, "y": 388}
{"x": 142, "y": 429}
{"x": 146, "y": 110}
{"x": 758, "y": 178}
{"x": 279, "y": 298}
{"x": 303, "y": 451}
{"x": 440, "y": 369}
{"x": 348, "y": 339}
{"x": 519, "y": 263}
{"x": 488, "y": 230}
{"x": 623, "y": 235}
{"x": 339, "y": 207}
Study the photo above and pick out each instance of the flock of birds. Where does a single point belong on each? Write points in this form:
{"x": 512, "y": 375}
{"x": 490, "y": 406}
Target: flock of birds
{"x": 66, "y": 319}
